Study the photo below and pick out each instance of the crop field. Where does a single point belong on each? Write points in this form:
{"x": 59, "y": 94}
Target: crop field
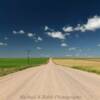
{"x": 86, "y": 64}
{"x": 10, "y": 65}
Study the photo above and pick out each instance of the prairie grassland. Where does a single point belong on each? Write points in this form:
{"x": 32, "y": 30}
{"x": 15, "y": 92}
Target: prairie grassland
{"x": 90, "y": 65}
{"x": 10, "y": 65}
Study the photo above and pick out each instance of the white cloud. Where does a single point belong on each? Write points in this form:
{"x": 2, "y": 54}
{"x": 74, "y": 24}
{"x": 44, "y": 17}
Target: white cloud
{"x": 68, "y": 29}
{"x": 38, "y": 48}
{"x": 35, "y": 37}
{"x": 21, "y": 32}
{"x": 64, "y": 45}
{"x": 72, "y": 48}
{"x": 30, "y": 34}
{"x": 46, "y": 28}
{"x": 18, "y": 32}
{"x": 39, "y": 38}
{"x": 14, "y": 32}
{"x": 79, "y": 28}
{"x": 3, "y": 44}
{"x": 92, "y": 24}
{"x": 56, "y": 34}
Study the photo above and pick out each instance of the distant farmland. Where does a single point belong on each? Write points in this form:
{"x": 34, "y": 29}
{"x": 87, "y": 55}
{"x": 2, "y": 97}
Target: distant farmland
{"x": 86, "y": 64}
{"x": 9, "y": 65}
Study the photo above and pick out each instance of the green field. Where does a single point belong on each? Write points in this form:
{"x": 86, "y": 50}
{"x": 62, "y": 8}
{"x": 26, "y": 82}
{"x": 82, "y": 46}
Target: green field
{"x": 10, "y": 65}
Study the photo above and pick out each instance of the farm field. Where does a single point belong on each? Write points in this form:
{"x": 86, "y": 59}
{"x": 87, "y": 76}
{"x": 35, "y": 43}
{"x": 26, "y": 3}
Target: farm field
{"x": 49, "y": 80}
{"x": 86, "y": 64}
{"x": 10, "y": 65}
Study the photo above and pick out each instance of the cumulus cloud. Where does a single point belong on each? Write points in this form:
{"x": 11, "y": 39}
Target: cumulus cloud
{"x": 34, "y": 36}
{"x": 68, "y": 29}
{"x": 56, "y": 34}
{"x": 14, "y": 32}
{"x": 64, "y": 45}
{"x": 38, "y": 48}
{"x": 46, "y": 28}
{"x": 18, "y": 32}
{"x": 3, "y": 44}
{"x": 39, "y": 38}
{"x": 92, "y": 24}
{"x": 21, "y": 32}
{"x": 79, "y": 28}
{"x": 30, "y": 34}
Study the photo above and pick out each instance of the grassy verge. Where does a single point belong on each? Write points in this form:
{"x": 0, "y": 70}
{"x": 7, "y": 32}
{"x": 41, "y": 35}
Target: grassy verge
{"x": 86, "y": 64}
{"x": 10, "y": 65}
{"x": 88, "y": 69}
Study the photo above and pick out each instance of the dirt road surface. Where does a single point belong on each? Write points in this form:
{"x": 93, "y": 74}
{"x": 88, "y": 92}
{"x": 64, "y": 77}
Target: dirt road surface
{"x": 50, "y": 82}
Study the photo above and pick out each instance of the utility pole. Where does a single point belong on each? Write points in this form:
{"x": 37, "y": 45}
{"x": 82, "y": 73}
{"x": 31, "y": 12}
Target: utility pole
{"x": 28, "y": 56}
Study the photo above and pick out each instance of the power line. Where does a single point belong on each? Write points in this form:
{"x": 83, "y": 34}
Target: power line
{"x": 28, "y": 56}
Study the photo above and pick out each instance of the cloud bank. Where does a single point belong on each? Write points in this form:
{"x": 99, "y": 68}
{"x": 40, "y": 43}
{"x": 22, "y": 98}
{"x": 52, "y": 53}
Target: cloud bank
{"x": 92, "y": 24}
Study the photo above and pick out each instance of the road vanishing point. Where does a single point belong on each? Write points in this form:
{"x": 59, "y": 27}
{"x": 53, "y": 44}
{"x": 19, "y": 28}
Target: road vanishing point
{"x": 50, "y": 82}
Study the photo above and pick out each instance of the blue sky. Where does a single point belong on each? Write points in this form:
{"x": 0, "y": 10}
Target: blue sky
{"x": 56, "y": 28}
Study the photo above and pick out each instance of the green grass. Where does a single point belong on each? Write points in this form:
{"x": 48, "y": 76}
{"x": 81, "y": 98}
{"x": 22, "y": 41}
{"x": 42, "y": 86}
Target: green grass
{"x": 10, "y": 65}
